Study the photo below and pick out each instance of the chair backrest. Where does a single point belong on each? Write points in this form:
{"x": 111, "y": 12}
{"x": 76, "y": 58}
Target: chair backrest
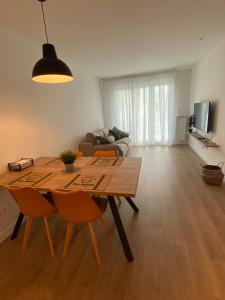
{"x": 76, "y": 207}
{"x": 31, "y": 202}
{"x": 78, "y": 153}
{"x": 105, "y": 153}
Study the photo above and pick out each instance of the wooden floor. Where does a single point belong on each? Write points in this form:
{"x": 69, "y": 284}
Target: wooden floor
{"x": 178, "y": 241}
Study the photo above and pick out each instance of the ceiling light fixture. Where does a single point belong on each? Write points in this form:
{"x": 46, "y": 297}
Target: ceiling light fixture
{"x": 50, "y": 69}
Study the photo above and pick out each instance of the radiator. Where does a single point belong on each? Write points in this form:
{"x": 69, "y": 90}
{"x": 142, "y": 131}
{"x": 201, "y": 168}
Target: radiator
{"x": 181, "y": 129}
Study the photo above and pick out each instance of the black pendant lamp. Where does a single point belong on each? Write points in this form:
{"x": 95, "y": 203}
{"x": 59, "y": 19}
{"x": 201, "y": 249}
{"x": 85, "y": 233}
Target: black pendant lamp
{"x": 50, "y": 69}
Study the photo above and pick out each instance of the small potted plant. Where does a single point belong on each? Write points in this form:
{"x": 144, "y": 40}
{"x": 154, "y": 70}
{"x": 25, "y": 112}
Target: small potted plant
{"x": 68, "y": 157}
{"x": 191, "y": 123}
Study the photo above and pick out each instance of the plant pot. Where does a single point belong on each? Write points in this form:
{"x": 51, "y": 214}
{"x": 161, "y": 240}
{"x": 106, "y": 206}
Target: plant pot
{"x": 69, "y": 167}
{"x": 190, "y": 130}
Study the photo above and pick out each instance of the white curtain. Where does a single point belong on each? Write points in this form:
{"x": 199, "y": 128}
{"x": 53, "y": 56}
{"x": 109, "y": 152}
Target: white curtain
{"x": 143, "y": 106}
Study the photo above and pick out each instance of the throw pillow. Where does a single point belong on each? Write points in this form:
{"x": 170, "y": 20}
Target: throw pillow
{"x": 120, "y": 132}
{"x": 115, "y": 134}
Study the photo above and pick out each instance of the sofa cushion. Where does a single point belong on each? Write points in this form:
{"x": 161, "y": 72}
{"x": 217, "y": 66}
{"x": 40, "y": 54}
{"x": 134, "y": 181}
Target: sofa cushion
{"x": 106, "y": 140}
{"x": 111, "y": 139}
{"x": 105, "y": 131}
{"x": 103, "y": 140}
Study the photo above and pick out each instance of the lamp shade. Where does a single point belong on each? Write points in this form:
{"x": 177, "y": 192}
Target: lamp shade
{"x": 50, "y": 69}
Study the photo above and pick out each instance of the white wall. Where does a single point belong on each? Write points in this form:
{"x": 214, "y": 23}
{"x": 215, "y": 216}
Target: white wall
{"x": 182, "y": 91}
{"x": 39, "y": 119}
{"x": 182, "y": 96}
{"x": 208, "y": 83}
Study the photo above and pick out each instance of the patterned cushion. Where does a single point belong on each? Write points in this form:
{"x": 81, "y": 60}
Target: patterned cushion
{"x": 118, "y": 134}
{"x": 115, "y": 134}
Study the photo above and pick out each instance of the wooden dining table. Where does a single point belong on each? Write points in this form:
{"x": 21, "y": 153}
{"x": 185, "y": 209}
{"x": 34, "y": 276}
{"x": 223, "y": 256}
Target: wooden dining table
{"x": 110, "y": 177}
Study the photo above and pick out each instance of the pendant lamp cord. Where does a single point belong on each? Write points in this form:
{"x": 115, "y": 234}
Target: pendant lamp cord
{"x": 43, "y": 15}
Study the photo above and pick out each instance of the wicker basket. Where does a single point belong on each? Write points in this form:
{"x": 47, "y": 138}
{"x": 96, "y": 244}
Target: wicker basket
{"x": 213, "y": 180}
{"x": 212, "y": 170}
{"x": 212, "y": 174}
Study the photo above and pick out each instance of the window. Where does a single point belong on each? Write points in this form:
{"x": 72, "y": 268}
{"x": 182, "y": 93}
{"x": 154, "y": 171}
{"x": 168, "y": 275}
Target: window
{"x": 142, "y": 106}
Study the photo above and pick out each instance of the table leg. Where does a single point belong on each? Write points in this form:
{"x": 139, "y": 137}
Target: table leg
{"x": 120, "y": 229}
{"x": 17, "y": 226}
{"x": 130, "y": 201}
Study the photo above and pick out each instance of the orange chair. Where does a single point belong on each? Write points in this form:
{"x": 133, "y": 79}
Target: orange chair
{"x": 33, "y": 205}
{"x": 78, "y": 153}
{"x": 105, "y": 153}
{"x": 110, "y": 153}
{"x": 78, "y": 208}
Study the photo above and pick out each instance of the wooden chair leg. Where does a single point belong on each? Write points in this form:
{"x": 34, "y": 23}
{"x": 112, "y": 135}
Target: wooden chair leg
{"x": 49, "y": 237}
{"x": 29, "y": 229}
{"x": 105, "y": 225}
{"x": 94, "y": 243}
{"x": 69, "y": 232}
{"x": 27, "y": 232}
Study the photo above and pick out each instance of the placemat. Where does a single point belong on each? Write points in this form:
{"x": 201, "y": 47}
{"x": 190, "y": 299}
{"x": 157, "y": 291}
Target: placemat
{"x": 30, "y": 179}
{"x": 107, "y": 161}
{"x": 55, "y": 162}
{"x": 79, "y": 162}
{"x": 88, "y": 182}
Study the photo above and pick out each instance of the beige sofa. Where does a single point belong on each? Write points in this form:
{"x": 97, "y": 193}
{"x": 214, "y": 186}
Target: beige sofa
{"x": 91, "y": 143}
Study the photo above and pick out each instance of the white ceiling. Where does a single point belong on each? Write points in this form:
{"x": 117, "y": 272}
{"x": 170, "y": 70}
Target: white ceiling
{"x": 117, "y": 37}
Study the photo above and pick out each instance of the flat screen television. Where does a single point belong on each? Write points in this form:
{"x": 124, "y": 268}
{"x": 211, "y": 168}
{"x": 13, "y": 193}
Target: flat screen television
{"x": 202, "y": 113}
